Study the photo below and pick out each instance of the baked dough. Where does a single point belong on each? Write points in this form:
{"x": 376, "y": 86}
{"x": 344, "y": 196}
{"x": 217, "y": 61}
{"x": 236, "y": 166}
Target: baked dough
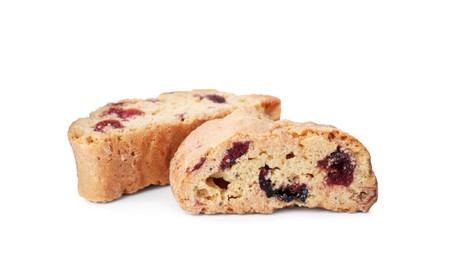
{"x": 126, "y": 146}
{"x": 247, "y": 163}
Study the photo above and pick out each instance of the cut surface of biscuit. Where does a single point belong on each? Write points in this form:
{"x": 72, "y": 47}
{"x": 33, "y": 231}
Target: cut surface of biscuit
{"x": 246, "y": 163}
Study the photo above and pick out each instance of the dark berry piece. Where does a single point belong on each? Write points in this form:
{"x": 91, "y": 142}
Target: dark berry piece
{"x": 265, "y": 184}
{"x": 291, "y": 192}
{"x": 232, "y": 154}
{"x": 295, "y": 191}
{"x": 340, "y": 168}
{"x": 123, "y": 113}
{"x": 131, "y": 112}
{"x": 99, "y": 127}
{"x": 215, "y": 98}
{"x": 199, "y": 164}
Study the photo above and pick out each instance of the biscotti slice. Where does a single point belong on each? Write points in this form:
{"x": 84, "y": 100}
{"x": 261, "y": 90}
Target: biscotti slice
{"x": 126, "y": 146}
{"x": 246, "y": 163}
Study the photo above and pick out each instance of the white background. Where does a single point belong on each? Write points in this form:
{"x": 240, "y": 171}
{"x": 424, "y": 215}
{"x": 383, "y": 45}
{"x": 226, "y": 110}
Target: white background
{"x": 380, "y": 70}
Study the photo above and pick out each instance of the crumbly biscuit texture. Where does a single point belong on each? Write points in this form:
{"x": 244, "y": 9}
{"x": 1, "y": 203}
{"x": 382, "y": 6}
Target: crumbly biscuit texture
{"x": 246, "y": 163}
{"x": 126, "y": 146}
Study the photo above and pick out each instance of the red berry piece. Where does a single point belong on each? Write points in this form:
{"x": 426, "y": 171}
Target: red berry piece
{"x": 111, "y": 123}
{"x": 199, "y": 164}
{"x": 123, "y": 113}
{"x": 131, "y": 112}
{"x": 215, "y": 98}
{"x": 340, "y": 168}
{"x": 212, "y": 97}
{"x": 113, "y": 110}
{"x": 232, "y": 154}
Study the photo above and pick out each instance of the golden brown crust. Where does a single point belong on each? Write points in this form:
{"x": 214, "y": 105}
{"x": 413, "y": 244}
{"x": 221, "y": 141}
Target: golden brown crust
{"x": 123, "y": 161}
{"x": 290, "y": 150}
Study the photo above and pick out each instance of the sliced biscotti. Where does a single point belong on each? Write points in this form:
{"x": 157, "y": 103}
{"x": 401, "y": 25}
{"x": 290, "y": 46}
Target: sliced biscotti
{"x": 126, "y": 146}
{"x": 246, "y": 163}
